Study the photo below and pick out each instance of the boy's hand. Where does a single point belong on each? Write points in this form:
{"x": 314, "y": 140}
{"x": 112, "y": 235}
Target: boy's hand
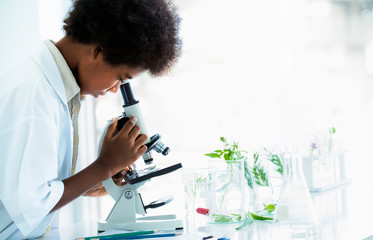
{"x": 118, "y": 151}
{"x": 122, "y": 149}
{"x": 99, "y": 190}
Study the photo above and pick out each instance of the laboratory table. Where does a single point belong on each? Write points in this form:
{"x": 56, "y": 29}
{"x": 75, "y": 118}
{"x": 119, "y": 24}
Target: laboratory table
{"x": 344, "y": 213}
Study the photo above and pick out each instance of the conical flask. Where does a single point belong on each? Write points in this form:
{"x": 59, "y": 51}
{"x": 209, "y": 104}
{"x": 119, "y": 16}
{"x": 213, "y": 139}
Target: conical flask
{"x": 295, "y": 217}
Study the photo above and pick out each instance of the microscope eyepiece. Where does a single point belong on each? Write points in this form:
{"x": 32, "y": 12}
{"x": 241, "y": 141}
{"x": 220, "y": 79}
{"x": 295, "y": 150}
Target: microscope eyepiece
{"x": 127, "y": 94}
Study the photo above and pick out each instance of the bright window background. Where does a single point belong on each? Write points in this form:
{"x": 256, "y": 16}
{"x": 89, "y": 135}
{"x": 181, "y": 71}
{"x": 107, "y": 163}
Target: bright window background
{"x": 266, "y": 73}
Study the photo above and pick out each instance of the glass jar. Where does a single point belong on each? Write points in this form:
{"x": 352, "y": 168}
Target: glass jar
{"x": 234, "y": 191}
{"x": 295, "y": 217}
{"x": 197, "y": 188}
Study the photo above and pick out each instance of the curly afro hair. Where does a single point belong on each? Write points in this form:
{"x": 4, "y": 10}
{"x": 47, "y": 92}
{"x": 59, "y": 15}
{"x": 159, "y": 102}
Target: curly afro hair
{"x": 137, "y": 33}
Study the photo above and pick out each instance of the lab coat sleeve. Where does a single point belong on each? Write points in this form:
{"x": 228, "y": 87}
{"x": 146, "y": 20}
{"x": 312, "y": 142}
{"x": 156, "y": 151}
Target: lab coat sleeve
{"x": 29, "y": 150}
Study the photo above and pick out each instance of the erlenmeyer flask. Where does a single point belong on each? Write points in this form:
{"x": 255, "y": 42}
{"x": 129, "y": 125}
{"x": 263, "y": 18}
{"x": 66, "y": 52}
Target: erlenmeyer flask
{"x": 295, "y": 217}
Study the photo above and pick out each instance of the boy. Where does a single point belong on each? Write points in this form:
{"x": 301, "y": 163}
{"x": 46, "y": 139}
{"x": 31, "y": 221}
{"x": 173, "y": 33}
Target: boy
{"x": 106, "y": 42}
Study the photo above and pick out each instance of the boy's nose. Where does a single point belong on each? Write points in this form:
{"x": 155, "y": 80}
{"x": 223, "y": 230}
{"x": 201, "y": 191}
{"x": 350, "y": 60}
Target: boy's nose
{"x": 114, "y": 89}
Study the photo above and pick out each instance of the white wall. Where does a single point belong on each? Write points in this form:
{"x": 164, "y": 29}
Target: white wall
{"x": 19, "y": 28}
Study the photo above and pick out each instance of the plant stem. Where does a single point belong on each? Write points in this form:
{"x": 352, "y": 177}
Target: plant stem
{"x": 226, "y": 188}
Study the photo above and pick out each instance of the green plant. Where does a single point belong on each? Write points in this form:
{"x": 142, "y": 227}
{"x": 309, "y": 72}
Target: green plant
{"x": 231, "y": 152}
{"x": 262, "y": 215}
{"x": 245, "y": 219}
{"x": 196, "y": 187}
{"x": 317, "y": 148}
{"x": 331, "y": 132}
{"x": 258, "y": 171}
{"x": 247, "y": 174}
{"x": 222, "y": 218}
{"x": 269, "y": 208}
{"x": 275, "y": 159}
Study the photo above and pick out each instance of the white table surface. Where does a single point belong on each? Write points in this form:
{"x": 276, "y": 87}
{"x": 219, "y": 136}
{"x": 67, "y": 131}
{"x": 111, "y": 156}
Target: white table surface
{"x": 344, "y": 213}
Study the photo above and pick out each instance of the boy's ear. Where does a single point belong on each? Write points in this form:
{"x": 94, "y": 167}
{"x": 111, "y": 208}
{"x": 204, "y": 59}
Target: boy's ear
{"x": 96, "y": 51}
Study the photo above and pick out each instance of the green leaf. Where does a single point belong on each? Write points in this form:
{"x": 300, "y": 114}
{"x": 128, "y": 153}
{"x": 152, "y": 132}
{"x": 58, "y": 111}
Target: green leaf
{"x": 223, "y": 139}
{"x": 258, "y": 217}
{"x": 270, "y": 207}
{"x": 275, "y": 159}
{"x": 258, "y": 171}
{"x": 235, "y": 146}
{"x": 220, "y": 152}
{"x": 244, "y": 224}
{"x": 332, "y": 130}
{"x": 248, "y": 220}
{"x": 231, "y": 155}
{"x": 250, "y": 217}
{"x": 256, "y": 157}
{"x": 248, "y": 176}
{"x": 212, "y": 155}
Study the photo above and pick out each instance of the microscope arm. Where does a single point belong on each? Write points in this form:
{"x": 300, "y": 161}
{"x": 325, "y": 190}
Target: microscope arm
{"x": 128, "y": 202}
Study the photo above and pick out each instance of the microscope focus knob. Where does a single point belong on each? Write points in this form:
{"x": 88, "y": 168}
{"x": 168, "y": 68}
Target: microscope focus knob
{"x": 128, "y": 194}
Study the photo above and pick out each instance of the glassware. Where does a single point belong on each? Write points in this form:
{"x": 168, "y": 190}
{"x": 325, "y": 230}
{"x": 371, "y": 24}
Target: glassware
{"x": 295, "y": 217}
{"x": 234, "y": 191}
{"x": 325, "y": 171}
{"x": 273, "y": 163}
{"x": 197, "y": 187}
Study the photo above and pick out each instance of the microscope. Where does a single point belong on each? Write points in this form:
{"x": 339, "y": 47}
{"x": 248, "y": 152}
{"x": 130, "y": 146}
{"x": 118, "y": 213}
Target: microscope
{"x": 128, "y": 201}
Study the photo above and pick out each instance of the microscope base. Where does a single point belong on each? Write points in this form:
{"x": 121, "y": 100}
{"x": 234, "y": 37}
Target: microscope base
{"x": 159, "y": 222}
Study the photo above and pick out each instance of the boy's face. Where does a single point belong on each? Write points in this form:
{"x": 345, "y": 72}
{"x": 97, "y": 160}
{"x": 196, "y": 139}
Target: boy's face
{"x": 96, "y": 77}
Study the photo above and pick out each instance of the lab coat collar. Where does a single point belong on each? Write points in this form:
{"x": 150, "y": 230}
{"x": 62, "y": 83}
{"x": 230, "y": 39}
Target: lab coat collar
{"x": 46, "y": 62}
{"x": 71, "y": 86}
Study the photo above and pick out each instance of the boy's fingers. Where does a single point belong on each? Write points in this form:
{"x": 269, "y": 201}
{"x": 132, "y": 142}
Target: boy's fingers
{"x": 135, "y": 132}
{"x": 141, "y": 139}
{"x": 142, "y": 149}
{"x": 128, "y": 126}
{"x": 112, "y": 128}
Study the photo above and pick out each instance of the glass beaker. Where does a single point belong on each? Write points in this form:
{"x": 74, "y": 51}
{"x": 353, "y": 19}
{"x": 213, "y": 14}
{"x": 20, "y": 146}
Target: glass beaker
{"x": 295, "y": 216}
{"x": 234, "y": 191}
{"x": 197, "y": 187}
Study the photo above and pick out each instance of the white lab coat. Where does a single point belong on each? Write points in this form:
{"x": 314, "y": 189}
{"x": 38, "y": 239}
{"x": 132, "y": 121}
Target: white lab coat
{"x": 35, "y": 145}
